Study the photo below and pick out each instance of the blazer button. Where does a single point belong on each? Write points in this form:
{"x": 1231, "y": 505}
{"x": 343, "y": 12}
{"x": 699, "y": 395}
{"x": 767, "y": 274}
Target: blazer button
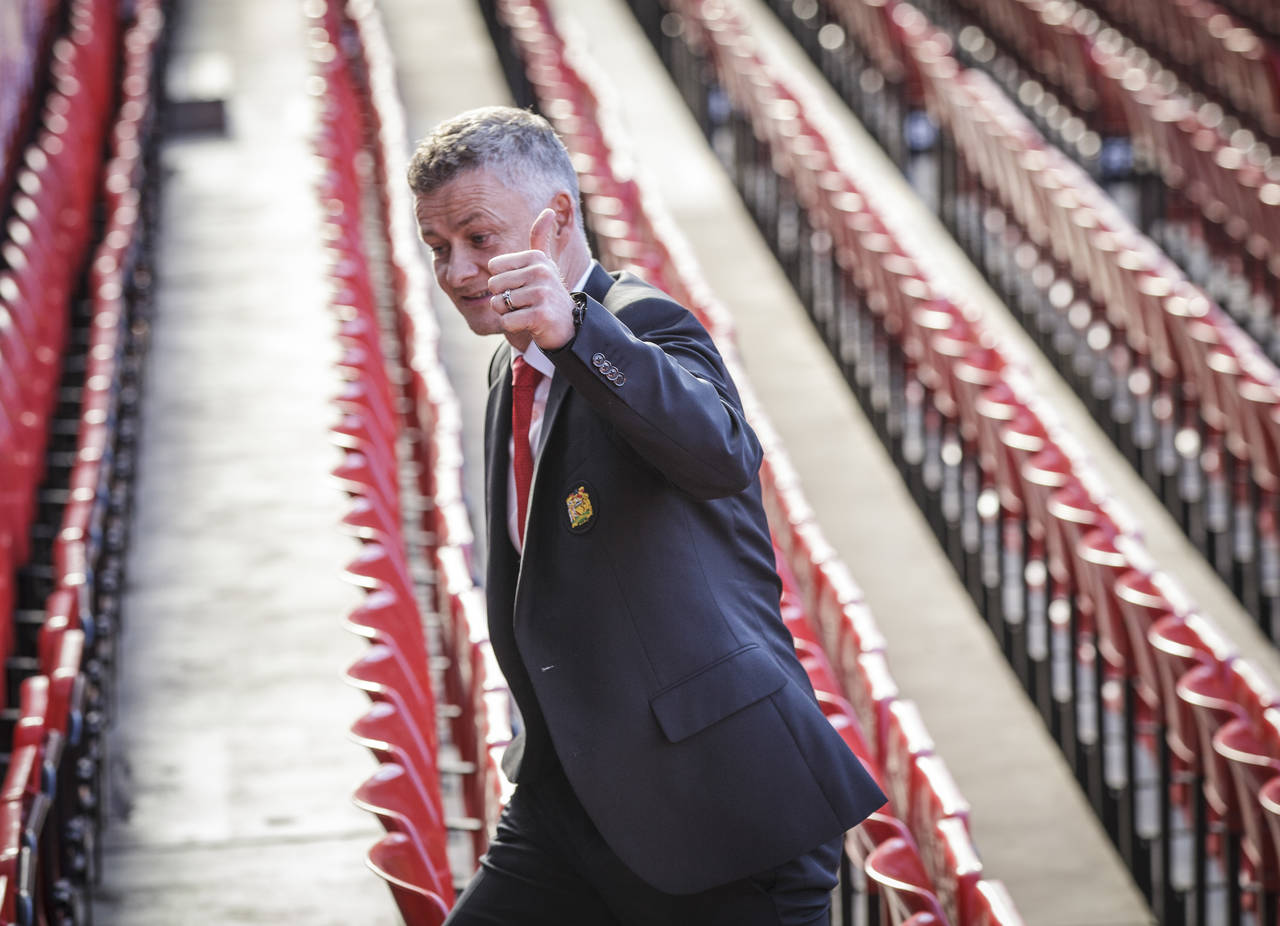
{"x": 612, "y": 375}
{"x": 598, "y": 360}
{"x": 620, "y": 380}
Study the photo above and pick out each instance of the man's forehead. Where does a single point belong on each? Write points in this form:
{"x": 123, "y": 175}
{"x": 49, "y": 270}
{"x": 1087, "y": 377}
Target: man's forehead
{"x": 465, "y": 198}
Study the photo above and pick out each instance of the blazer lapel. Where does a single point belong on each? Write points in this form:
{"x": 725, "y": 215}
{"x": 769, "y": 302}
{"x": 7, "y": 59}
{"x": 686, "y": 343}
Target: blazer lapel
{"x": 497, "y": 432}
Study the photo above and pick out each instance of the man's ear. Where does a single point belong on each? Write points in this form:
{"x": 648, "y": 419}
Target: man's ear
{"x": 563, "y": 205}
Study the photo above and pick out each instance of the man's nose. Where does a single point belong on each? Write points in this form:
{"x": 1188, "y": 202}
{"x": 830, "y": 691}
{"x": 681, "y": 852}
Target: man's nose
{"x": 459, "y": 270}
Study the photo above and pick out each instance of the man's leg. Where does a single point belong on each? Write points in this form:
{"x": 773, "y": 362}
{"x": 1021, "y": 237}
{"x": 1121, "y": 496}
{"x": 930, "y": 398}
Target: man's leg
{"x": 525, "y": 878}
{"x": 797, "y": 893}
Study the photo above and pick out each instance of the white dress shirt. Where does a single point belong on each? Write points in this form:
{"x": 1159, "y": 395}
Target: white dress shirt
{"x": 533, "y": 356}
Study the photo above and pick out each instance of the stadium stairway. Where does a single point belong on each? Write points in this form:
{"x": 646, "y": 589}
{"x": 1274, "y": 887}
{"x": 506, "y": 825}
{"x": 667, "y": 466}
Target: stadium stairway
{"x": 231, "y": 775}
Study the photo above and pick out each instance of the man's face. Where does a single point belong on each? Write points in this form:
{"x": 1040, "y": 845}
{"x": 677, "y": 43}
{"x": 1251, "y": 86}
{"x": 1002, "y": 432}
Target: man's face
{"x": 468, "y": 221}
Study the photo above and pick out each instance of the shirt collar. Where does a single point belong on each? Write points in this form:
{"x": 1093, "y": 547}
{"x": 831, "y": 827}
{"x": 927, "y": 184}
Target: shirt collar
{"x": 533, "y": 354}
{"x": 582, "y": 280}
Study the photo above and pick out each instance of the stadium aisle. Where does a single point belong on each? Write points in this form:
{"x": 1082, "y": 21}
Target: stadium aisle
{"x": 231, "y": 775}
{"x": 1030, "y": 821}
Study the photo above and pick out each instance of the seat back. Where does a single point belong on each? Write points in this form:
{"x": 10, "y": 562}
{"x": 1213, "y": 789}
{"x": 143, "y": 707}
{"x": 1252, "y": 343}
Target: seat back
{"x": 395, "y": 860}
{"x": 905, "y": 889}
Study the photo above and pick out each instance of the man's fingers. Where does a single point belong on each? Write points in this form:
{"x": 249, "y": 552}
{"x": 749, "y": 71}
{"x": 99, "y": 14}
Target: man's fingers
{"x": 512, "y": 280}
{"x": 543, "y": 232}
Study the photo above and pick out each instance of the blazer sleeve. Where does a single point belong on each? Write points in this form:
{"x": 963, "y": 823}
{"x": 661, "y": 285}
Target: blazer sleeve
{"x": 654, "y": 374}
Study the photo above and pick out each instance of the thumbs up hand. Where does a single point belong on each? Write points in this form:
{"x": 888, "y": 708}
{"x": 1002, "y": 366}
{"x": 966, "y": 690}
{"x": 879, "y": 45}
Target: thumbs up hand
{"x": 531, "y": 296}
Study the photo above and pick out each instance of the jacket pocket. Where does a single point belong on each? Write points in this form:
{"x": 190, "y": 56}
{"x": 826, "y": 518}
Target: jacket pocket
{"x": 738, "y": 680}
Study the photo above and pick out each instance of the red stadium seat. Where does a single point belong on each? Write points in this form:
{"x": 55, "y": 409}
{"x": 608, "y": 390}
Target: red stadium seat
{"x": 1252, "y": 754}
{"x": 994, "y": 906}
{"x": 906, "y": 740}
{"x": 384, "y": 675}
{"x": 957, "y": 871}
{"x": 390, "y": 795}
{"x": 871, "y": 690}
{"x": 905, "y": 889}
{"x": 395, "y": 860}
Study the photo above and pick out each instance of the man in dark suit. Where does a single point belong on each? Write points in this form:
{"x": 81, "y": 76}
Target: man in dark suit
{"x": 673, "y": 766}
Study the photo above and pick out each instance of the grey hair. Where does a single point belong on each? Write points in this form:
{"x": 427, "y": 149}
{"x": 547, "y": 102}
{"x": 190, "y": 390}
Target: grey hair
{"x": 518, "y": 145}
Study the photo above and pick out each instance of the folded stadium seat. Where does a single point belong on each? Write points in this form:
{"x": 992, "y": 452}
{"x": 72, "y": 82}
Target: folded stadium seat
{"x": 449, "y": 525}
{"x": 958, "y": 870}
{"x": 1181, "y": 643}
{"x": 388, "y": 617}
{"x": 836, "y": 592}
{"x": 359, "y": 361}
{"x": 808, "y": 550}
{"x": 451, "y": 577}
{"x": 1087, "y": 550}
{"x": 395, "y": 860}
{"x": 946, "y": 334}
{"x": 1143, "y": 599}
{"x": 905, "y": 889}
{"x": 793, "y": 614}
{"x": 816, "y": 665}
{"x": 993, "y": 906}
{"x": 906, "y": 739}
{"x": 390, "y": 795}
{"x": 935, "y": 798}
{"x": 381, "y": 567}
{"x": 368, "y": 519}
{"x": 361, "y": 399}
{"x": 792, "y": 512}
{"x": 358, "y": 435}
{"x": 871, "y": 690}
{"x": 1216, "y": 693}
{"x": 395, "y": 737}
{"x": 858, "y": 634}
{"x": 1252, "y": 753}
{"x": 444, "y": 479}
{"x": 467, "y": 673}
{"x": 1043, "y": 474}
{"x": 381, "y": 673}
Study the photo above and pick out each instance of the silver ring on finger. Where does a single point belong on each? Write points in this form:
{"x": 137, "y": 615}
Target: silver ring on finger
{"x": 506, "y": 297}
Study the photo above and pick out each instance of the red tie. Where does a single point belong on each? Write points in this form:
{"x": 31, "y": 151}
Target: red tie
{"x": 523, "y": 384}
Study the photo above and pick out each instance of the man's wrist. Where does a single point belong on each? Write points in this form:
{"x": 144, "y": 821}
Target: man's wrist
{"x": 579, "y": 313}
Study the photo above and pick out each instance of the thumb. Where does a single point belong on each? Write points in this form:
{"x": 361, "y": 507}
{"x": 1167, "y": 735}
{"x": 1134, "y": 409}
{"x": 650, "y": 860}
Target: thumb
{"x": 543, "y": 232}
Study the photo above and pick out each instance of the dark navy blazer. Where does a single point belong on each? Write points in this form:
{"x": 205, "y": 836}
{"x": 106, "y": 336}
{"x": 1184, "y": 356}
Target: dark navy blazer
{"x": 641, "y": 627}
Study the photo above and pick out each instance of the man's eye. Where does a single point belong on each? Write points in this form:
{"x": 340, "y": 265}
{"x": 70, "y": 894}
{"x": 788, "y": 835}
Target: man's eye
{"x": 479, "y": 240}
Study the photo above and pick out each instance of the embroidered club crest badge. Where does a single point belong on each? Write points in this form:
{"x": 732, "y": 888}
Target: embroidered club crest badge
{"x": 582, "y": 513}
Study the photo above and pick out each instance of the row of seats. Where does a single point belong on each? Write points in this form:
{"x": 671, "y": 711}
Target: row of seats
{"x": 69, "y": 370}
{"x": 1205, "y": 166}
{"x": 1210, "y": 48}
{"x": 1083, "y": 613}
{"x": 836, "y": 637}
{"x": 1191, "y": 398}
{"x": 1198, "y": 183}
{"x": 429, "y": 658}
{"x": 1102, "y": 280}
{"x": 29, "y": 30}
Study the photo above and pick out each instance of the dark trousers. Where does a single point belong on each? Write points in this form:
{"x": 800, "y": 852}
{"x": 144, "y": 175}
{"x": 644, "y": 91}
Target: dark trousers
{"x": 548, "y": 866}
